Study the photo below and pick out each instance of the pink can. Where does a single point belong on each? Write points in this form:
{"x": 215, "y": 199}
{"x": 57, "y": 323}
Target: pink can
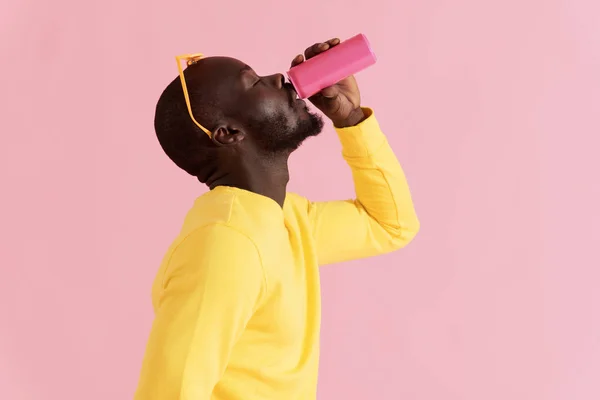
{"x": 328, "y": 68}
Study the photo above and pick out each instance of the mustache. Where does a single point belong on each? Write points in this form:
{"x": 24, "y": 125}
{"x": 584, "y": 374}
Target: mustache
{"x": 287, "y": 85}
{"x": 291, "y": 91}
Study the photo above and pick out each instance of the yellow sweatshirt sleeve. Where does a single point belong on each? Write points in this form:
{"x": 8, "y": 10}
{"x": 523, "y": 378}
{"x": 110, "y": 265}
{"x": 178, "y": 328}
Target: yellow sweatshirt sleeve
{"x": 212, "y": 285}
{"x": 382, "y": 218}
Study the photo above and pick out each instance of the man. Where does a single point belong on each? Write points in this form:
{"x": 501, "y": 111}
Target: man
{"x": 237, "y": 297}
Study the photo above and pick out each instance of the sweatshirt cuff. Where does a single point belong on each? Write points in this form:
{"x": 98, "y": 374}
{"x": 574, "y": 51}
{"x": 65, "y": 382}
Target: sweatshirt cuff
{"x": 363, "y": 139}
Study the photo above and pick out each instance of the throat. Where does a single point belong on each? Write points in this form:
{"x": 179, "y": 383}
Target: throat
{"x": 266, "y": 177}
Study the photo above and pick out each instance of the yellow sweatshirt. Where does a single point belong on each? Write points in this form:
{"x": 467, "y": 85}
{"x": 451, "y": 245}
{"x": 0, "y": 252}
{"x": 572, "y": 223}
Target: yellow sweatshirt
{"x": 237, "y": 297}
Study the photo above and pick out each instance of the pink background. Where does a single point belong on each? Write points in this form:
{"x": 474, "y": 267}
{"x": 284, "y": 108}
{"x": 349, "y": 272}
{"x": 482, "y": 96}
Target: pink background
{"x": 493, "y": 108}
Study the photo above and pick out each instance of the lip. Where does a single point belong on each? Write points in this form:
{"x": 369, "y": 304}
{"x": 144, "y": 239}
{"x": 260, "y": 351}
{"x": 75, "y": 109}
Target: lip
{"x": 293, "y": 95}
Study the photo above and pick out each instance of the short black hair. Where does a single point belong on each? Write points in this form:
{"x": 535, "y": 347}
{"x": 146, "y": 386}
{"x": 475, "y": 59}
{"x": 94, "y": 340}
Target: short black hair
{"x": 189, "y": 147}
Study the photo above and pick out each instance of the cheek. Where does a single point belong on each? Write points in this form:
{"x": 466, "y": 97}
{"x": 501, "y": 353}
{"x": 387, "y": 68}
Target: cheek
{"x": 275, "y": 109}
{"x": 267, "y": 101}
{"x": 272, "y": 106}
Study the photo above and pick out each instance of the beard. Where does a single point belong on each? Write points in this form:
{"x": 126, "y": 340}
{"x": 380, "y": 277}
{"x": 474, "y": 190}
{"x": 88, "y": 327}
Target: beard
{"x": 276, "y": 135}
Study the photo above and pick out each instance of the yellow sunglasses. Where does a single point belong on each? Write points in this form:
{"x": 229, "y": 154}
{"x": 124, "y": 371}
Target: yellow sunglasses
{"x": 189, "y": 60}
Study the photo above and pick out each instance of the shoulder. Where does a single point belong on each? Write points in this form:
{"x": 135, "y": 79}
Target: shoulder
{"x": 216, "y": 249}
{"x": 296, "y": 202}
{"x": 215, "y": 256}
{"x": 216, "y": 239}
{"x": 208, "y": 210}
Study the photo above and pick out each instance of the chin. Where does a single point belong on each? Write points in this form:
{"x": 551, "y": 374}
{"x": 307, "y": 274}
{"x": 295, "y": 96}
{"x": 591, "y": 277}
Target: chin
{"x": 286, "y": 131}
{"x": 303, "y": 112}
{"x": 312, "y": 125}
{"x": 316, "y": 120}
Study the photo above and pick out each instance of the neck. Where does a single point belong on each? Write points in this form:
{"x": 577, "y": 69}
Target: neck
{"x": 265, "y": 176}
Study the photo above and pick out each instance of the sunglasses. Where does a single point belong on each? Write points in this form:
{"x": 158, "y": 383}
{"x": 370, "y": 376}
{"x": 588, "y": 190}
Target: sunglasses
{"x": 189, "y": 60}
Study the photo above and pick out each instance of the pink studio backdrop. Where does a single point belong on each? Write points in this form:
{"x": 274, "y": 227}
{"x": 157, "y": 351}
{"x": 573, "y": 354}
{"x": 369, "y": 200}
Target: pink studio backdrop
{"x": 493, "y": 108}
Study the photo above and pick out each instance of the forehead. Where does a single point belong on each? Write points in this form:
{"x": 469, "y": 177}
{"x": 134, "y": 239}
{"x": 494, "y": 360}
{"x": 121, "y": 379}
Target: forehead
{"x": 220, "y": 79}
{"x": 217, "y": 70}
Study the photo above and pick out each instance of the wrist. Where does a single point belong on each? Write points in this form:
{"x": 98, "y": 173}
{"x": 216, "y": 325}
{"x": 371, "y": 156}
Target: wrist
{"x": 354, "y": 118}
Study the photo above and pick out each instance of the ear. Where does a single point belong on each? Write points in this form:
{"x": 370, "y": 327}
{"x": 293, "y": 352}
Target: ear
{"x": 225, "y": 135}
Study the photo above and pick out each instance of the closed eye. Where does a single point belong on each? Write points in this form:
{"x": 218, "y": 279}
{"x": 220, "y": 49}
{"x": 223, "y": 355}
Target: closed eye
{"x": 250, "y": 77}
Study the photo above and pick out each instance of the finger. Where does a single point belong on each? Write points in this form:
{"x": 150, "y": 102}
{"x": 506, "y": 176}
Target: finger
{"x": 315, "y": 49}
{"x": 318, "y": 48}
{"x": 333, "y": 42}
{"x": 299, "y": 59}
{"x": 330, "y": 92}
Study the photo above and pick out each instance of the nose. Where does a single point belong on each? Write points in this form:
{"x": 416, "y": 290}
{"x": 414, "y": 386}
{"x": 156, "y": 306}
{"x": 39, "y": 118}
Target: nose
{"x": 278, "y": 80}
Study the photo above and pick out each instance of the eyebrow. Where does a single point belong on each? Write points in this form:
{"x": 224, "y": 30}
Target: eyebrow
{"x": 245, "y": 68}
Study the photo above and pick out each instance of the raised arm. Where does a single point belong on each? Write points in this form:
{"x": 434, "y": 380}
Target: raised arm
{"x": 212, "y": 285}
{"x": 382, "y": 218}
